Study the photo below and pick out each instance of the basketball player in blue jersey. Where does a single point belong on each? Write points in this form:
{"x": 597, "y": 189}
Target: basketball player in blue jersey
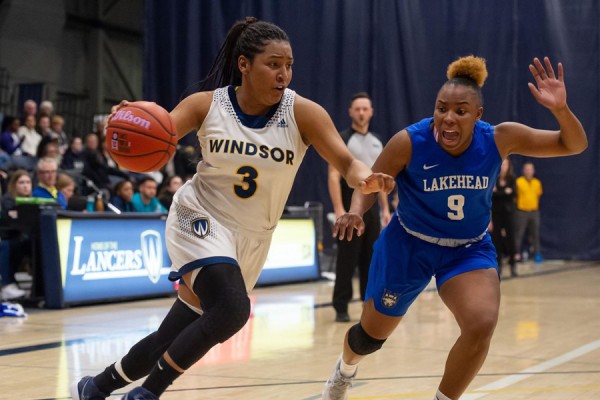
{"x": 445, "y": 169}
{"x": 254, "y": 132}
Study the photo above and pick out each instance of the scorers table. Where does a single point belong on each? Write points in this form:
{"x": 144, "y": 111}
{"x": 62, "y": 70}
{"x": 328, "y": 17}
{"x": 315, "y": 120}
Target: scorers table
{"x": 99, "y": 257}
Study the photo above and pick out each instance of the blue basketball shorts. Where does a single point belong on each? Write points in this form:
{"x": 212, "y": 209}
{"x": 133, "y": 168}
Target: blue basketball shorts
{"x": 403, "y": 265}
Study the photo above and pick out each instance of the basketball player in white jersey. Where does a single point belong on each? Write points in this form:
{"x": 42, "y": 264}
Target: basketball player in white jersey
{"x": 254, "y": 132}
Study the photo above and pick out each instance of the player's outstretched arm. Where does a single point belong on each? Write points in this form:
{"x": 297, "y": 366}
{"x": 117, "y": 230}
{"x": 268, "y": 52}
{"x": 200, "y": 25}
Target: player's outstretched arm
{"x": 549, "y": 90}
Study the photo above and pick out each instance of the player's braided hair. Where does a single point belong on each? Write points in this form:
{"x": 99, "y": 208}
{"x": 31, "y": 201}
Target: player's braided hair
{"x": 468, "y": 71}
{"x": 248, "y": 38}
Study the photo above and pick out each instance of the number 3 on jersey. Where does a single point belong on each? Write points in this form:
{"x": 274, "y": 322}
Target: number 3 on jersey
{"x": 456, "y": 204}
{"x": 248, "y": 187}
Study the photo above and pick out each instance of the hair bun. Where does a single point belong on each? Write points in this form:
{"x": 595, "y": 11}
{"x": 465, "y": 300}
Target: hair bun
{"x": 470, "y": 67}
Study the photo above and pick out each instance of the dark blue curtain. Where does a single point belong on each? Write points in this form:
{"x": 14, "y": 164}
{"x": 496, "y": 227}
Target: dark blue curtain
{"x": 398, "y": 51}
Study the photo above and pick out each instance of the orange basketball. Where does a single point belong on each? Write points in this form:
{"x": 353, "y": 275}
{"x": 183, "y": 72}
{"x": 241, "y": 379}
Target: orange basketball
{"x": 141, "y": 136}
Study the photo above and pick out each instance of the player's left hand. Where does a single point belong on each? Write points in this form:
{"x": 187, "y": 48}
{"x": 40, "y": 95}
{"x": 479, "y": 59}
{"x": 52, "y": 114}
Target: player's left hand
{"x": 346, "y": 224}
{"x": 377, "y": 182}
{"x": 549, "y": 90}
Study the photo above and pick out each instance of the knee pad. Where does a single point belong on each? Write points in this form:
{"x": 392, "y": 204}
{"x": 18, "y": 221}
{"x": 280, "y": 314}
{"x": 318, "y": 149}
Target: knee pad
{"x": 361, "y": 343}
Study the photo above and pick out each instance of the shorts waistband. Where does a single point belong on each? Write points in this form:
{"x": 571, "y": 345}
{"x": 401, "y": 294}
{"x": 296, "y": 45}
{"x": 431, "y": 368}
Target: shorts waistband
{"x": 446, "y": 242}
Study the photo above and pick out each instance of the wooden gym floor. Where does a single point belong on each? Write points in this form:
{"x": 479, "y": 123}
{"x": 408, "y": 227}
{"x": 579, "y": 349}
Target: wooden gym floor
{"x": 546, "y": 345}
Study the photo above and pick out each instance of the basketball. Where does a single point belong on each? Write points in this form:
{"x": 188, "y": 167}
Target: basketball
{"x": 141, "y": 137}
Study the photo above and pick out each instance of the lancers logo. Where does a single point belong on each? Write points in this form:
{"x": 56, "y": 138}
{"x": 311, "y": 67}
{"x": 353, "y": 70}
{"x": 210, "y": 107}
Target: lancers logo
{"x": 105, "y": 260}
{"x": 389, "y": 299}
{"x": 201, "y": 227}
{"x": 152, "y": 253}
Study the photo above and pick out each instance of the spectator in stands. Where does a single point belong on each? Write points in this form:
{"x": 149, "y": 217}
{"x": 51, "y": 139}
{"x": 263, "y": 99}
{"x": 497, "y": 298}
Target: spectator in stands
{"x": 96, "y": 168}
{"x": 145, "y": 200}
{"x": 10, "y": 141}
{"x": 66, "y": 185}
{"x": 51, "y": 150}
{"x": 72, "y": 160}
{"x": 123, "y": 195}
{"x": 168, "y": 189}
{"x": 43, "y": 125}
{"x": 19, "y": 246}
{"x": 99, "y": 125}
{"x": 29, "y": 108}
{"x": 57, "y": 124}
{"x": 4, "y": 157}
{"x": 47, "y": 108}
{"x": 19, "y": 185}
{"x": 47, "y": 169}
{"x": 185, "y": 161}
{"x": 31, "y": 138}
{"x": 44, "y": 130}
{"x": 529, "y": 191}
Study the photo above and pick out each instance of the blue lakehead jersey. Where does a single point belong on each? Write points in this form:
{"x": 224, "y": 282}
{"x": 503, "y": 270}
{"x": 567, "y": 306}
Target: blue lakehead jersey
{"x": 447, "y": 197}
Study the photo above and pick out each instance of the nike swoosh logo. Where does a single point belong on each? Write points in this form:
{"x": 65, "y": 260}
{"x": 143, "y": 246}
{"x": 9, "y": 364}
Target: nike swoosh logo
{"x": 160, "y": 366}
{"x": 426, "y": 167}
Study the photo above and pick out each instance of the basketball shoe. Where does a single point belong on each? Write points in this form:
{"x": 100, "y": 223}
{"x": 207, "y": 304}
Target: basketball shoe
{"x": 86, "y": 389}
{"x": 337, "y": 385}
{"x": 140, "y": 393}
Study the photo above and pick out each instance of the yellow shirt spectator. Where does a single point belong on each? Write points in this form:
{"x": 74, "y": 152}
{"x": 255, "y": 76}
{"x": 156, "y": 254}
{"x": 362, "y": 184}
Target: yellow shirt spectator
{"x": 528, "y": 194}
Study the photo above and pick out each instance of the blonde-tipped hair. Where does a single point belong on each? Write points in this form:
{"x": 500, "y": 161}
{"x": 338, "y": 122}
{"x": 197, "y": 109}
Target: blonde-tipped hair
{"x": 470, "y": 67}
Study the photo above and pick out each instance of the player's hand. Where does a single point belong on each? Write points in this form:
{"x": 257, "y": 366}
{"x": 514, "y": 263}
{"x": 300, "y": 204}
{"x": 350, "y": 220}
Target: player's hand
{"x": 346, "y": 224}
{"x": 377, "y": 182}
{"x": 116, "y": 108}
{"x": 549, "y": 90}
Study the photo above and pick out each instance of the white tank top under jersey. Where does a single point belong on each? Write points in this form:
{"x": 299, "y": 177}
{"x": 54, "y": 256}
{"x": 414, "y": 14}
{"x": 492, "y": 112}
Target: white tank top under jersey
{"x": 246, "y": 174}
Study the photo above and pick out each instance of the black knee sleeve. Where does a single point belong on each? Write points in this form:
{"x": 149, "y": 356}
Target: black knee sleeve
{"x": 361, "y": 343}
{"x": 225, "y": 303}
{"x": 226, "y": 307}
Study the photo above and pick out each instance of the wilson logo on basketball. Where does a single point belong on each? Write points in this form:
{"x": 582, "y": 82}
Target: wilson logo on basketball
{"x": 128, "y": 116}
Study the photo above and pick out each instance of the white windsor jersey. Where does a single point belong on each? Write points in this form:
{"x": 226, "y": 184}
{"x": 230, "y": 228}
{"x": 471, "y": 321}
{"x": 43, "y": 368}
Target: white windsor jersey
{"x": 246, "y": 174}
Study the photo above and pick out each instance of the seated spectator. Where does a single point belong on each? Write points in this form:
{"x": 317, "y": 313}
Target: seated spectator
{"x": 10, "y": 141}
{"x": 29, "y": 108}
{"x": 123, "y": 196}
{"x": 43, "y": 126}
{"x": 31, "y": 138}
{"x": 168, "y": 189}
{"x": 99, "y": 125}
{"x": 57, "y": 124}
{"x": 43, "y": 129}
{"x": 72, "y": 160}
{"x": 66, "y": 185}
{"x": 4, "y": 157}
{"x": 185, "y": 161}
{"x": 46, "y": 108}
{"x": 19, "y": 185}
{"x": 145, "y": 200}
{"x": 51, "y": 150}
{"x": 18, "y": 246}
{"x": 47, "y": 169}
{"x": 95, "y": 165}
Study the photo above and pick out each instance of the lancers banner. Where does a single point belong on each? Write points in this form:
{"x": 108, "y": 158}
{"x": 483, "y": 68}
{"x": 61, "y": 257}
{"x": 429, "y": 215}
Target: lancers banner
{"x": 112, "y": 258}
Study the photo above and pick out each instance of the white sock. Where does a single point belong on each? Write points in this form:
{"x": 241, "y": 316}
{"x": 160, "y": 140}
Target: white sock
{"x": 441, "y": 396}
{"x": 347, "y": 370}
